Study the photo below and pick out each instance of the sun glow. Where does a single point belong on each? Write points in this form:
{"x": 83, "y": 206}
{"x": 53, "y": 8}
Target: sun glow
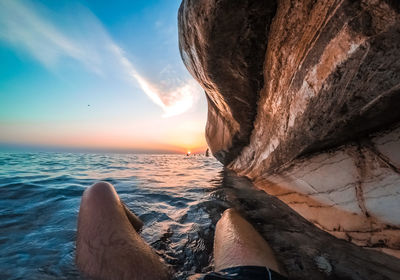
{"x": 191, "y": 140}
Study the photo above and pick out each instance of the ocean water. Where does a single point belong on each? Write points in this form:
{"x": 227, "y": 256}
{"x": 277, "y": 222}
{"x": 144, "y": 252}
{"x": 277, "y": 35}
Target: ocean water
{"x": 40, "y": 195}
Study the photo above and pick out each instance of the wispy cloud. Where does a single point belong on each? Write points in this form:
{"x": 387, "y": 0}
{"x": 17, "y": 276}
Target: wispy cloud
{"x": 81, "y": 37}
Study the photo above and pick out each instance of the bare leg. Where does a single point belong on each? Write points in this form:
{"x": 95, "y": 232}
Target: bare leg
{"x": 237, "y": 243}
{"x": 108, "y": 246}
{"x": 133, "y": 219}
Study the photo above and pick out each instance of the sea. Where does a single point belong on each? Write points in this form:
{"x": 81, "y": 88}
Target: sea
{"x": 176, "y": 196}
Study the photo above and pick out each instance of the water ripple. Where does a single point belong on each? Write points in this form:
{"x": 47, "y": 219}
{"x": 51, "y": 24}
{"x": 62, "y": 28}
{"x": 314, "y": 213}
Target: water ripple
{"x": 39, "y": 203}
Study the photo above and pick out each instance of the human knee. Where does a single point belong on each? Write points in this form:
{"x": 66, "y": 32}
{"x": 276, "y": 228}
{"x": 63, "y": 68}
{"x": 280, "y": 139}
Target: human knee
{"x": 100, "y": 188}
{"x": 100, "y": 191}
{"x": 228, "y": 215}
{"x": 229, "y": 212}
{"x": 98, "y": 198}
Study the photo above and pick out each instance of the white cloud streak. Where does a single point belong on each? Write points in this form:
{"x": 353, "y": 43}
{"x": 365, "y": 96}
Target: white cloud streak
{"x": 82, "y": 38}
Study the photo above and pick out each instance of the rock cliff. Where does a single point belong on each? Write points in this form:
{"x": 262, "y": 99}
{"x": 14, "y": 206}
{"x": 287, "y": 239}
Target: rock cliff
{"x": 303, "y": 99}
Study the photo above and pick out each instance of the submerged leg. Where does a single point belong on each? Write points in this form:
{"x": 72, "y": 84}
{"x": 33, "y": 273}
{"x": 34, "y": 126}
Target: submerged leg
{"x": 237, "y": 243}
{"x": 108, "y": 246}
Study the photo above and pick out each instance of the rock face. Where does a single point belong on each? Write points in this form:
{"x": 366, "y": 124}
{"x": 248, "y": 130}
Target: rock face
{"x": 353, "y": 191}
{"x": 223, "y": 46}
{"x": 305, "y": 251}
{"x": 303, "y": 99}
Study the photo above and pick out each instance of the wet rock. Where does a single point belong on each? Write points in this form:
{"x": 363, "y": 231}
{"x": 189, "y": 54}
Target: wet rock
{"x": 303, "y": 100}
{"x": 306, "y": 251}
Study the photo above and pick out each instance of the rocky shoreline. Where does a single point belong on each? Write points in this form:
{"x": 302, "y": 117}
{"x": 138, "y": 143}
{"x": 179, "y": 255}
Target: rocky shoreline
{"x": 302, "y": 100}
{"x": 306, "y": 251}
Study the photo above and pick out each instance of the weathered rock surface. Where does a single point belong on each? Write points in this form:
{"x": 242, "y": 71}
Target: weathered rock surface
{"x": 306, "y": 251}
{"x": 353, "y": 191}
{"x": 303, "y": 100}
{"x": 223, "y": 45}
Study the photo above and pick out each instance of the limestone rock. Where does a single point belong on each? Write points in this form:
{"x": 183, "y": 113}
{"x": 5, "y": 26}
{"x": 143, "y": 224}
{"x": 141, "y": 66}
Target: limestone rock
{"x": 303, "y": 100}
{"x": 306, "y": 251}
{"x": 332, "y": 75}
{"x": 223, "y": 44}
{"x": 353, "y": 192}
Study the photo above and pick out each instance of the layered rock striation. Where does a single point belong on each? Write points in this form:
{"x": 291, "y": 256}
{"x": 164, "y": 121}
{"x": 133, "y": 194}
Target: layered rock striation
{"x": 305, "y": 251}
{"x": 303, "y": 99}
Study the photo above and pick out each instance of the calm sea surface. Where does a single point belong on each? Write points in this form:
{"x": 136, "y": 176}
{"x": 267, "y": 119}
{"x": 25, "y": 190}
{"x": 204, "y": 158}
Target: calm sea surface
{"x": 40, "y": 195}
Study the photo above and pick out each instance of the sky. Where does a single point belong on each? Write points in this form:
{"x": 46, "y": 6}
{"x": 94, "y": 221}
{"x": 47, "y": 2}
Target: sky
{"x": 90, "y": 74}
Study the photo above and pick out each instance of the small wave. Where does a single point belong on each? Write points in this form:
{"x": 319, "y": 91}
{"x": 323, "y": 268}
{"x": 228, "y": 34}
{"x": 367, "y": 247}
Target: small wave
{"x": 40, "y": 195}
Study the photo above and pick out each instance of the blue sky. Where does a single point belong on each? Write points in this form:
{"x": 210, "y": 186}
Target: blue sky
{"x": 97, "y": 75}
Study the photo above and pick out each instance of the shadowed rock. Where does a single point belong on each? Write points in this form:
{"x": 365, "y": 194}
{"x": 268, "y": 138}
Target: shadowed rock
{"x": 303, "y": 99}
{"x": 306, "y": 251}
{"x": 223, "y": 45}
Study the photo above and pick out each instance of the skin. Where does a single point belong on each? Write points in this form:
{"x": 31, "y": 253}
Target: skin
{"x": 237, "y": 243}
{"x": 108, "y": 245}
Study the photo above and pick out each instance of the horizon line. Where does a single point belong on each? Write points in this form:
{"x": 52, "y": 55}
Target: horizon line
{"x": 43, "y": 148}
